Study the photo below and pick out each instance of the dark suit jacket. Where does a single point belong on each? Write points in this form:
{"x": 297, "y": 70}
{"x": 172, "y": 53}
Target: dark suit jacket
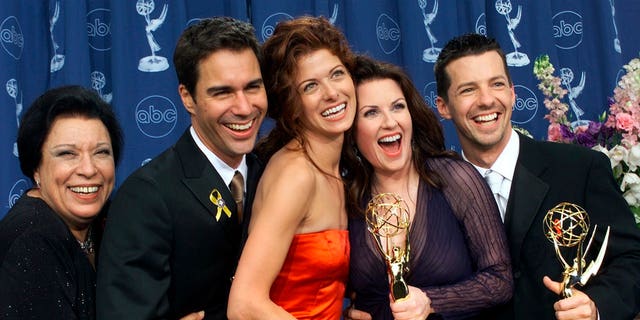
{"x": 164, "y": 254}
{"x": 549, "y": 173}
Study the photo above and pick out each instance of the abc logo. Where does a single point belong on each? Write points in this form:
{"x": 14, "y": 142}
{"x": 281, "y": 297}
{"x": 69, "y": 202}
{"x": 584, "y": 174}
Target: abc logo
{"x": 481, "y": 25}
{"x": 270, "y": 23}
{"x": 388, "y": 34}
{"x": 526, "y": 105}
{"x": 156, "y": 116}
{"x": 11, "y": 37}
{"x": 99, "y": 29}
{"x": 17, "y": 190}
{"x": 429, "y": 93}
{"x": 567, "y": 29}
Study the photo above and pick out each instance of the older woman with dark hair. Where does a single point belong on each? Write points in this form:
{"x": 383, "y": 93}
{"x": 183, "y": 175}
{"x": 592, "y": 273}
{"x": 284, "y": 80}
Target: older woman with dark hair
{"x": 295, "y": 262}
{"x": 69, "y": 141}
{"x": 458, "y": 262}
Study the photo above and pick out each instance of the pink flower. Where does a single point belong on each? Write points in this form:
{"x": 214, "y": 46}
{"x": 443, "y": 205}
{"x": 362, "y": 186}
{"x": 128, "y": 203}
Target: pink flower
{"x": 624, "y": 121}
{"x": 611, "y": 121}
{"x": 580, "y": 129}
{"x": 554, "y": 133}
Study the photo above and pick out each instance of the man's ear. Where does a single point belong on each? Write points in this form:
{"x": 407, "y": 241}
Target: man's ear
{"x": 187, "y": 100}
{"x": 443, "y": 108}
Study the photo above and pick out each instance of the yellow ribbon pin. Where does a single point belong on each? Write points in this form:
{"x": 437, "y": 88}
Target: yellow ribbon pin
{"x": 216, "y": 198}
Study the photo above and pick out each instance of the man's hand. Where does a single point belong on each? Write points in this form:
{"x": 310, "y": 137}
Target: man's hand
{"x": 351, "y": 313}
{"x": 579, "y": 306}
{"x": 194, "y": 316}
{"x": 354, "y": 314}
{"x": 415, "y": 306}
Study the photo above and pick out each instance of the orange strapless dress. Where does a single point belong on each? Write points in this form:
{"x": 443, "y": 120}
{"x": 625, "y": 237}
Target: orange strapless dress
{"x": 312, "y": 281}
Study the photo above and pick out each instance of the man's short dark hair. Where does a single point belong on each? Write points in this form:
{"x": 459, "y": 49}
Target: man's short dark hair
{"x": 470, "y": 44}
{"x": 206, "y": 37}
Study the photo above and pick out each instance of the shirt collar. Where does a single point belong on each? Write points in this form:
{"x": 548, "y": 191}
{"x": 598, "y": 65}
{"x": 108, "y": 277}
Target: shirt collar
{"x": 225, "y": 171}
{"x": 505, "y": 164}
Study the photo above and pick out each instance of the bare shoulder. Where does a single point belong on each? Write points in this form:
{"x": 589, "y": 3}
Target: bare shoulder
{"x": 289, "y": 170}
{"x": 287, "y": 179}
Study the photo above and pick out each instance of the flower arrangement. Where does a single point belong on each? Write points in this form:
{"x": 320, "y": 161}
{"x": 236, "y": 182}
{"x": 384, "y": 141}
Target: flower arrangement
{"x": 560, "y": 128}
{"x": 615, "y": 133}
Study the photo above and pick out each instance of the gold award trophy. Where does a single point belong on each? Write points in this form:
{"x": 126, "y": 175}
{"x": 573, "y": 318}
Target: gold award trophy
{"x": 566, "y": 225}
{"x": 388, "y": 222}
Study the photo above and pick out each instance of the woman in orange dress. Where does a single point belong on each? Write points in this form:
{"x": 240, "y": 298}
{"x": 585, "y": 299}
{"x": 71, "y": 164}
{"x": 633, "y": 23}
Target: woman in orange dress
{"x": 296, "y": 259}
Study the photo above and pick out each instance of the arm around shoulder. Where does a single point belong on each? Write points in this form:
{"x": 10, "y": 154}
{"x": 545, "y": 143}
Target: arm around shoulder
{"x": 133, "y": 270}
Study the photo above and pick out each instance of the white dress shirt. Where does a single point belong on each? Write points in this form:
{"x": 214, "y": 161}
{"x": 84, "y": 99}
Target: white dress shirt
{"x": 224, "y": 170}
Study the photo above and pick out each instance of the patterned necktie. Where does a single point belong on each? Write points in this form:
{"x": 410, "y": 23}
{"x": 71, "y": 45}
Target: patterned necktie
{"x": 237, "y": 191}
{"x": 495, "y": 182}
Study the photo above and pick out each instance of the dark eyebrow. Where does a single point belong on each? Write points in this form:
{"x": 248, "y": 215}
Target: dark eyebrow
{"x": 465, "y": 84}
{"x": 73, "y": 145}
{"x": 218, "y": 89}
{"x": 63, "y": 145}
{"x": 474, "y": 83}
{"x": 500, "y": 77}
{"x": 256, "y": 82}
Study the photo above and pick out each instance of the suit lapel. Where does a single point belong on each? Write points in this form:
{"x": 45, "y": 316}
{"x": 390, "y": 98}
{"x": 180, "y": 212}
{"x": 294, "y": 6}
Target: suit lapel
{"x": 527, "y": 194}
{"x": 202, "y": 188}
{"x": 201, "y": 178}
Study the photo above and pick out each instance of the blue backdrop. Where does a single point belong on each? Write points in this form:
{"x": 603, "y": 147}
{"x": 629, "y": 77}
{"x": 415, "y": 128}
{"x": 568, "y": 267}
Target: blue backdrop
{"x": 123, "y": 50}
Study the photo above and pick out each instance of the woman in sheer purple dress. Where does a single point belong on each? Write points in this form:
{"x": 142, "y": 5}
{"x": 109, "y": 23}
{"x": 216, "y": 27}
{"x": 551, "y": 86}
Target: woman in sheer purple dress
{"x": 459, "y": 262}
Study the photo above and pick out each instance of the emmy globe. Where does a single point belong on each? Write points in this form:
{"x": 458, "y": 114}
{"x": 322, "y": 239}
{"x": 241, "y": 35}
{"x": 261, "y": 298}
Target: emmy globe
{"x": 566, "y": 225}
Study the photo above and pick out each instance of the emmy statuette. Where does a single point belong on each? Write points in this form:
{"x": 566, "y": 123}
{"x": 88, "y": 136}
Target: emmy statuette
{"x": 566, "y": 225}
{"x": 388, "y": 222}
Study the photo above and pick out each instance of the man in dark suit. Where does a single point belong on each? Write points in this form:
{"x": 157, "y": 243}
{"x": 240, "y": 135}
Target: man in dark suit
{"x": 174, "y": 229}
{"x": 475, "y": 91}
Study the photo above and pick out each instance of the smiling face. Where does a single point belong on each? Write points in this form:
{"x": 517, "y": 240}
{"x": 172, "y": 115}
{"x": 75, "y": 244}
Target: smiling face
{"x": 77, "y": 171}
{"x": 383, "y": 126}
{"x": 327, "y": 93}
{"x": 229, "y": 104}
{"x": 480, "y": 102}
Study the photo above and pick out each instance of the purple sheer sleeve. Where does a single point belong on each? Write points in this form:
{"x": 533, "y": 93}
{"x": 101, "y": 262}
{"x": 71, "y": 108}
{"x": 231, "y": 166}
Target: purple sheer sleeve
{"x": 476, "y": 211}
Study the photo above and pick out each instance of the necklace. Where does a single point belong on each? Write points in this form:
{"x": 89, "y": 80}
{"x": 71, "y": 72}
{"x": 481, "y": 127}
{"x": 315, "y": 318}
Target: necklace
{"x": 87, "y": 245}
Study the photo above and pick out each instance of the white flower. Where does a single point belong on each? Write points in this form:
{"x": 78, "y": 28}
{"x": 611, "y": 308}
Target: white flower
{"x": 617, "y": 154}
{"x": 630, "y": 180}
{"x": 632, "y": 196}
{"x": 633, "y": 159}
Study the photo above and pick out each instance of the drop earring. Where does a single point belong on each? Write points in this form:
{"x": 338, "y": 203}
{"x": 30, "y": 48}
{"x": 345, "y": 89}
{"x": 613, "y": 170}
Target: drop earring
{"x": 357, "y": 154}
